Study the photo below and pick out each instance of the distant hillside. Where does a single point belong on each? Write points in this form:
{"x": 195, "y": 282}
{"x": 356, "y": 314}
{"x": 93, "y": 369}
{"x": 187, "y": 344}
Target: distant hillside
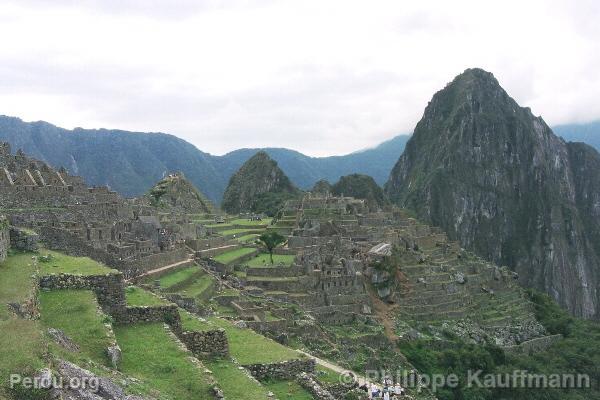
{"x": 587, "y": 133}
{"x": 132, "y": 162}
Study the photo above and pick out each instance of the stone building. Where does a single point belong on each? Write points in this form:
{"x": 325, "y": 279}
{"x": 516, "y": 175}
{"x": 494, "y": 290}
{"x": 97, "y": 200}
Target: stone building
{"x": 92, "y": 221}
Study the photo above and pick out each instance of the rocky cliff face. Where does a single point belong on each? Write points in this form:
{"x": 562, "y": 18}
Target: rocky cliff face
{"x": 176, "y": 193}
{"x": 258, "y": 186}
{"x": 497, "y": 179}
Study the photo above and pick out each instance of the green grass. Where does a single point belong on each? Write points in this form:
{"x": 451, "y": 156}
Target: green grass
{"x": 248, "y": 347}
{"x": 235, "y": 383}
{"x": 213, "y": 225}
{"x": 136, "y": 296}
{"x": 22, "y": 345}
{"x": 288, "y": 390}
{"x": 326, "y": 375}
{"x": 251, "y": 238}
{"x": 263, "y": 260}
{"x": 190, "y": 322}
{"x": 233, "y": 255}
{"x": 242, "y": 221}
{"x": 175, "y": 277}
{"x": 58, "y": 263}
{"x": 151, "y": 355}
{"x": 237, "y": 231}
{"x": 16, "y": 282}
{"x": 198, "y": 286}
{"x": 75, "y": 312}
{"x": 22, "y": 348}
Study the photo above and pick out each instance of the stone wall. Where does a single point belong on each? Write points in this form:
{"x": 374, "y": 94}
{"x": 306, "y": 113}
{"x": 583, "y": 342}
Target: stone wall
{"x": 534, "y": 345}
{"x": 109, "y": 289}
{"x": 23, "y": 239}
{"x": 4, "y": 238}
{"x": 206, "y": 343}
{"x": 165, "y": 313}
{"x": 309, "y": 383}
{"x": 286, "y": 370}
{"x": 263, "y": 327}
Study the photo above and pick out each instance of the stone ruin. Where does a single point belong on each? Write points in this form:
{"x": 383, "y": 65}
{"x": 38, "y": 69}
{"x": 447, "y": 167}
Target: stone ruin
{"x": 92, "y": 221}
{"x": 413, "y": 267}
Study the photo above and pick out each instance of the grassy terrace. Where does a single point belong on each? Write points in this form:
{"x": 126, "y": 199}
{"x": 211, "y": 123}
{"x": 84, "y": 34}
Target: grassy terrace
{"x": 238, "y": 231}
{"x": 233, "y": 255}
{"x": 21, "y": 342}
{"x": 248, "y": 238}
{"x": 139, "y": 297}
{"x": 273, "y": 278}
{"x": 247, "y": 346}
{"x": 198, "y": 286}
{"x": 236, "y": 384}
{"x": 288, "y": 390}
{"x": 243, "y": 221}
{"x": 263, "y": 260}
{"x": 151, "y": 355}
{"x": 175, "y": 277}
{"x": 76, "y": 313}
{"x": 52, "y": 262}
{"x": 190, "y": 322}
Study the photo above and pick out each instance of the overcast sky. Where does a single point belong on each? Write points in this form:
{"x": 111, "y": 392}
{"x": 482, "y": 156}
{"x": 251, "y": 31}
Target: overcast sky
{"x": 322, "y": 77}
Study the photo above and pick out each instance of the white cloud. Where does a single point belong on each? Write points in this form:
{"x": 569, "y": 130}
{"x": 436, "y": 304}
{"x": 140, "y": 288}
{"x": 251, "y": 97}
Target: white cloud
{"x": 323, "y": 77}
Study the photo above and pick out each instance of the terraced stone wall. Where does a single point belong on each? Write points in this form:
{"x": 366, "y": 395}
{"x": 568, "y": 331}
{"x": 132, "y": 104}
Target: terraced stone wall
{"x": 206, "y": 343}
{"x": 109, "y": 289}
{"x": 286, "y": 370}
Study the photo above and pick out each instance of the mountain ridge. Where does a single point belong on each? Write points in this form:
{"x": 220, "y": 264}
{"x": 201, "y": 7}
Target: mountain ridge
{"x": 132, "y": 162}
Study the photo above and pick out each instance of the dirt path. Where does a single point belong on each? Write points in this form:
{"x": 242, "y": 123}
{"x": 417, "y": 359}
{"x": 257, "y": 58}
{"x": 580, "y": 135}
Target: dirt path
{"x": 336, "y": 368}
{"x": 383, "y": 312}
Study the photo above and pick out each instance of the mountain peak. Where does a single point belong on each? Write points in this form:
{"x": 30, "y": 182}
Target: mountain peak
{"x": 258, "y": 186}
{"x": 496, "y": 178}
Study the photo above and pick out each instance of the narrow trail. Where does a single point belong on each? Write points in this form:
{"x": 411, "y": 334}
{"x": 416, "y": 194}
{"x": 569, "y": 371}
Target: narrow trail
{"x": 336, "y": 368}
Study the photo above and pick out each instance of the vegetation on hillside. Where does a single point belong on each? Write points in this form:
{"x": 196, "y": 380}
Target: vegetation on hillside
{"x": 575, "y": 354}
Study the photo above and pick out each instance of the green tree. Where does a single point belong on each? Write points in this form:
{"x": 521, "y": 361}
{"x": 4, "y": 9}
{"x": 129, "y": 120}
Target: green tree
{"x": 270, "y": 241}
